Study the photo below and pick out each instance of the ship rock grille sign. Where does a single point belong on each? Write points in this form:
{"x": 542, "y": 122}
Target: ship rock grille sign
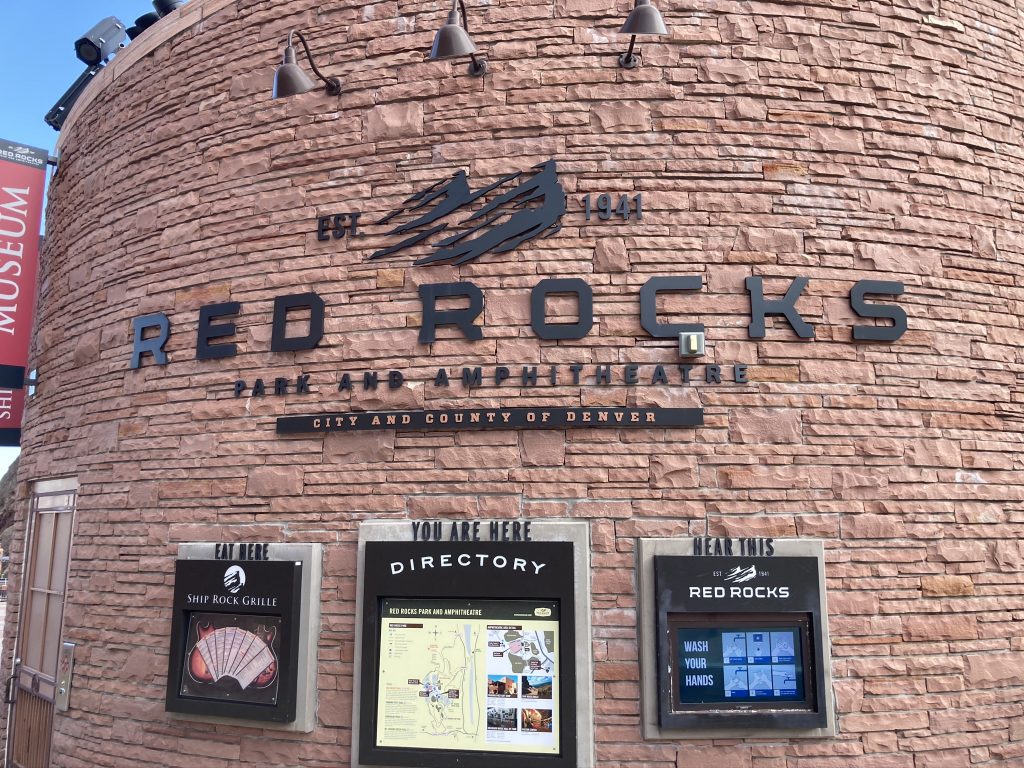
{"x": 234, "y": 639}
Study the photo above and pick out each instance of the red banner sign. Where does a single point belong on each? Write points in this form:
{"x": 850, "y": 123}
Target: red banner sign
{"x": 22, "y": 183}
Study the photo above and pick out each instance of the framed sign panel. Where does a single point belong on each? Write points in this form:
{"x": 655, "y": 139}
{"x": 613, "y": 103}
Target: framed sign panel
{"x": 468, "y": 655}
{"x": 234, "y": 639}
{"x": 739, "y": 642}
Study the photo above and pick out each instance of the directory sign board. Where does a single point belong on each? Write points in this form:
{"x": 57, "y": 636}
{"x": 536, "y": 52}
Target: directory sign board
{"x": 468, "y": 654}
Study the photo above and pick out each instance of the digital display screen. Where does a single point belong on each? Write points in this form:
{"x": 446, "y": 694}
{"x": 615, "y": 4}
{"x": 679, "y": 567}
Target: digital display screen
{"x": 476, "y": 675}
{"x": 739, "y": 665}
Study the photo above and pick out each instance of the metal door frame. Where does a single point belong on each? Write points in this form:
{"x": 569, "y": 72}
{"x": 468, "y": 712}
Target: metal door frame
{"x": 39, "y": 687}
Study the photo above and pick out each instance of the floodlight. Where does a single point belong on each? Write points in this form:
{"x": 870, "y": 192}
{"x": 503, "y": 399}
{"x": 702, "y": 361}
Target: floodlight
{"x": 142, "y": 23}
{"x": 100, "y": 42}
{"x": 164, "y": 7}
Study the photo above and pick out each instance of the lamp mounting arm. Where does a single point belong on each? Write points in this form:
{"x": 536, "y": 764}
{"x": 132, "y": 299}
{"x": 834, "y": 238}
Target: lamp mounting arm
{"x": 333, "y": 84}
{"x": 462, "y": 7}
{"x": 477, "y": 67}
{"x": 627, "y": 60}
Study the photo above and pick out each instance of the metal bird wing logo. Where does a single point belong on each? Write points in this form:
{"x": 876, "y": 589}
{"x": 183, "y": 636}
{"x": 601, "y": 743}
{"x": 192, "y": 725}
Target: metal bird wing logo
{"x": 517, "y": 208}
{"x": 739, "y": 574}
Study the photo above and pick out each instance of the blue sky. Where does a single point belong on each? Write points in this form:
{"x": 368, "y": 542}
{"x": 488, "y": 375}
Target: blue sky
{"x": 42, "y": 35}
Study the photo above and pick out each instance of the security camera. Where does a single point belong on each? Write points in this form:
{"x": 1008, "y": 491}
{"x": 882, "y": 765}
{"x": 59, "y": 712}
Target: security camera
{"x": 96, "y": 45}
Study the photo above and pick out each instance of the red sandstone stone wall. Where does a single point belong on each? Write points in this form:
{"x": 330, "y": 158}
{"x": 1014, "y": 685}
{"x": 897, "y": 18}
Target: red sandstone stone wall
{"x": 839, "y": 141}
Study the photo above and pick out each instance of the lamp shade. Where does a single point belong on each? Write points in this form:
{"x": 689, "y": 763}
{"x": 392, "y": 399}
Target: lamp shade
{"x": 644, "y": 19}
{"x": 452, "y": 40}
{"x": 290, "y": 79}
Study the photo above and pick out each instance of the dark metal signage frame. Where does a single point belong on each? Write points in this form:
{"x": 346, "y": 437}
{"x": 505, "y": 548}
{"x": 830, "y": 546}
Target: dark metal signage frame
{"x": 704, "y": 591}
{"x": 554, "y": 581}
{"x": 270, "y": 588}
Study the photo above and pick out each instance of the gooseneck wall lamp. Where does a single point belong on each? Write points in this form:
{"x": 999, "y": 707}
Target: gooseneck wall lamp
{"x": 644, "y": 19}
{"x": 453, "y": 41}
{"x": 290, "y": 80}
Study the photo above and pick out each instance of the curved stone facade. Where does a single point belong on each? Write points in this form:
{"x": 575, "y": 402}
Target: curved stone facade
{"x": 837, "y": 142}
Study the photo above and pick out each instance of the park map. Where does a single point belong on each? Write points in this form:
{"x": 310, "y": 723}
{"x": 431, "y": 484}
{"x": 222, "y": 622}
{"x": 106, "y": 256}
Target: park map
{"x": 477, "y": 675}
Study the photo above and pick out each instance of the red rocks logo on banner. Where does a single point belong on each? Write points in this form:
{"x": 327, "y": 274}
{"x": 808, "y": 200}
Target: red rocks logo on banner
{"x": 22, "y": 181}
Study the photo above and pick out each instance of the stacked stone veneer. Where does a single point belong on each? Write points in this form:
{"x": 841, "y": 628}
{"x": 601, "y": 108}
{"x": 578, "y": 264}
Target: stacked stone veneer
{"x": 838, "y": 141}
